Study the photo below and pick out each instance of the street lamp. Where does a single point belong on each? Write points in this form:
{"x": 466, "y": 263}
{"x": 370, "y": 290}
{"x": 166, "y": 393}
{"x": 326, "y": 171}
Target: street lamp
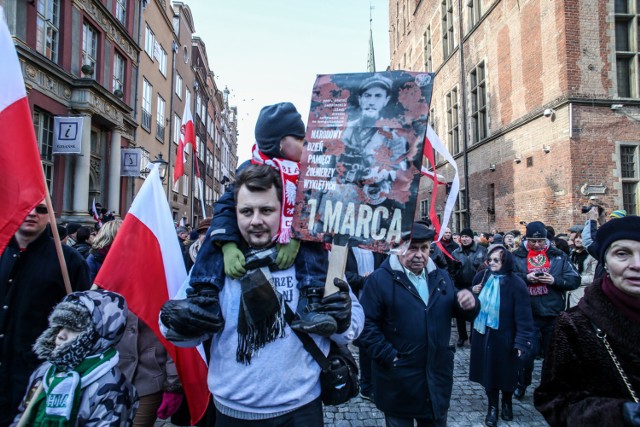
{"x": 162, "y": 167}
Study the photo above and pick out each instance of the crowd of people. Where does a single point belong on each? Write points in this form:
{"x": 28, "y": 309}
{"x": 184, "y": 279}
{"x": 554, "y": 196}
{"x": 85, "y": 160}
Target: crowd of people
{"x": 255, "y": 292}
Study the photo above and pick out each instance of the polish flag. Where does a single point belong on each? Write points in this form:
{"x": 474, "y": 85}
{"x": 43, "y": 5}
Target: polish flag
{"x": 187, "y": 137}
{"x": 432, "y": 142}
{"x": 94, "y": 211}
{"x": 148, "y": 246}
{"x": 21, "y": 177}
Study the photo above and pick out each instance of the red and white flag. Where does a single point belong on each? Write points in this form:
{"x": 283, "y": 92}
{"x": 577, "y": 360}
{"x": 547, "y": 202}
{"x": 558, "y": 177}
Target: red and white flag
{"x": 21, "y": 177}
{"x": 432, "y": 142}
{"x": 148, "y": 245}
{"x": 94, "y": 211}
{"x": 187, "y": 137}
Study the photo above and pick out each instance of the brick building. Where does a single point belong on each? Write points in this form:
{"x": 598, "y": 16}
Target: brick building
{"x": 125, "y": 67}
{"x": 538, "y": 102}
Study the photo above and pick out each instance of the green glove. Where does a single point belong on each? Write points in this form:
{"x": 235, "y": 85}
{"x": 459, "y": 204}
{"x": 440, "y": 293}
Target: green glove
{"x": 287, "y": 254}
{"x": 233, "y": 260}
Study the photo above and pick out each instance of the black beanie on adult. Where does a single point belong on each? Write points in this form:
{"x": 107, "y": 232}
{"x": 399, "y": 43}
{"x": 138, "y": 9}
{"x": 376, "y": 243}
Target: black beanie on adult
{"x": 536, "y": 230}
{"x": 466, "y": 232}
{"x": 627, "y": 228}
{"x": 274, "y": 123}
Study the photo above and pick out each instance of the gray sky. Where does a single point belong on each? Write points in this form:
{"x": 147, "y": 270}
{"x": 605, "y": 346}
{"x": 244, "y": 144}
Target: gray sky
{"x": 269, "y": 51}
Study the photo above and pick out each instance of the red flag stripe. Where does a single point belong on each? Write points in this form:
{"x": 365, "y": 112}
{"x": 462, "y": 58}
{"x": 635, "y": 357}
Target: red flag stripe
{"x": 21, "y": 177}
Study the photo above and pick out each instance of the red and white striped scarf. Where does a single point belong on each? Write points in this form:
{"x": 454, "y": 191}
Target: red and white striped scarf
{"x": 289, "y": 172}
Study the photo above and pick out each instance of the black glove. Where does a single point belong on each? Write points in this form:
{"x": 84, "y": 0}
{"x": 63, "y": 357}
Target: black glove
{"x": 338, "y": 305}
{"x": 631, "y": 413}
{"x": 198, "y": 315}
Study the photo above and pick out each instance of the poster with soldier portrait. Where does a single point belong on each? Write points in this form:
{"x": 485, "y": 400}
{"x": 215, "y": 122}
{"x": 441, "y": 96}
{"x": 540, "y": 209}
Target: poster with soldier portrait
{"x": 360, "y": 168}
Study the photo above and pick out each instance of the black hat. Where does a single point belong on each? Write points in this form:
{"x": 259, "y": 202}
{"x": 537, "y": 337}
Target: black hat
{"x": 274, "y": 123}
{"x": 420, "y": 232}
{"x": 466, "y": 232}
{"x": 536, "y": 230}
{"x": 72, "y": 227}
{"x": 626, "y": 228}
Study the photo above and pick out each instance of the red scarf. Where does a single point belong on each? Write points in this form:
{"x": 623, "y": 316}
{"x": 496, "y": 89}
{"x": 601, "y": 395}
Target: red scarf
{"x": 629, "y": 305}
{"x": 289, "y": 172}
{"x": 538, "y": 262}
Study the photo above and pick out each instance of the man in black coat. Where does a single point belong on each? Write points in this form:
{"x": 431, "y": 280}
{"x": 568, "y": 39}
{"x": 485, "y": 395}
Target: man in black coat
{"x": 408, "y": 304}
{"x": 30, "y": 285}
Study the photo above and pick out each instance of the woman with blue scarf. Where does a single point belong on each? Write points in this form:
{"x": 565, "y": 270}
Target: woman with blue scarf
{"x": 502, "y": 332}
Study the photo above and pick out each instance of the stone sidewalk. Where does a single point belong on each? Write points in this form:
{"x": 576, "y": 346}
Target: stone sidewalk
{"x": 468, "y": 402}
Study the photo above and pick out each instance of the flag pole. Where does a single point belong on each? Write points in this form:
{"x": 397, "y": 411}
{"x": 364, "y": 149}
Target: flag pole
{"x": 57, "y": 242}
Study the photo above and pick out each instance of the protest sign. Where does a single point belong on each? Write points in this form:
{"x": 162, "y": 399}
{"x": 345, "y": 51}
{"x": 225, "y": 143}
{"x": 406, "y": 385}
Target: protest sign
{"x": 360, "y": 167}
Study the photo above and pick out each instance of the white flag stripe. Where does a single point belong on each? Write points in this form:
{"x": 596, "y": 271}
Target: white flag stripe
{"x": 455, "y": 184}
{"x": 10, "y": 72}
{"x": 151, "y": 208}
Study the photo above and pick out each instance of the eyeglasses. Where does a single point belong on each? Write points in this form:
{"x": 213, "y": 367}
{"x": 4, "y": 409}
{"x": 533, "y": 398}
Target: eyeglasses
{"x": 496, "y": 260}
{"x": 42, "y": 210}
{"x": 536, "y": 241}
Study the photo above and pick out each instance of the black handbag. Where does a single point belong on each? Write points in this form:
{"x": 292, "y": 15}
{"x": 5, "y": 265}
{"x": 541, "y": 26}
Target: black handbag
{"x": 339, "y": 377}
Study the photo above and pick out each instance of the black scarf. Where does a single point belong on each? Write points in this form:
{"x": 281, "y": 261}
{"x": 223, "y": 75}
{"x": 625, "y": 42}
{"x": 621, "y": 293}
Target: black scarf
{"x": 261, "y": 314}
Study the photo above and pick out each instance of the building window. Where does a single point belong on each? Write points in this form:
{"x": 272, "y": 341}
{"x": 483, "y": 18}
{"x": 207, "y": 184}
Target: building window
{"x": 198, "y": 104}
{"x": 147, "y": 93}
{"x": 177, "y": 124}
{"x": 48, "y": 28}
{"x": 185, "y": 185}
{"x": 160, "y": 119}
{"x": 43, "y": 126}
{"x": 460, "y": 212}
{"x": 161, "y": 56}
{"x": 121, "y": 11}
{"x": 630, "y": 177}
{"x": 118, "y": 72}
{"x": 627, "y": 18}
{"x": 428, "y": 65}
{"x": 424, "y": 209}
{"x": 149, "y": 41}
{"x": 144, "y": 161}
{"x": 179, "y": 85}
{"x": 448, "y": 41}
{"x": 90, "y": 48}
{"x": 491, "y": 202}
{"x": 453, "y": 127}
{"x": 478, "y": 103}
{"x": 474, "y": 13}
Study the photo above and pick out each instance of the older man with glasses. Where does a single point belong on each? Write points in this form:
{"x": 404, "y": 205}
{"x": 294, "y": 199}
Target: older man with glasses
{"x": 30, "y": 286}
{"x": 548, "y": 273}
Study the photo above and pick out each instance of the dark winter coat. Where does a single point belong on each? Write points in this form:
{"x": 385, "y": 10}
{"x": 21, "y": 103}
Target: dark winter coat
{"x": 470, "y": 259}
{"x": 580, "y": 385}
{"x": 399, "y": 324}
{"x": 84, "y": 248}
{"x": 30, "y": 286}
{"x": 565, "y": 276}
{"x": 494, "y": 355}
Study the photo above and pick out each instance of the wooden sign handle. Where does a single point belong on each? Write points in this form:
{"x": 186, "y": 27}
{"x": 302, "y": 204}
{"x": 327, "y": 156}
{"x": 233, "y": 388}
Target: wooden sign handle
{"x": 337, "y": 265}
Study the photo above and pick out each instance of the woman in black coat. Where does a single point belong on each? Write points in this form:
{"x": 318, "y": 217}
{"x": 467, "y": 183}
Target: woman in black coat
{"x": 502, "y": 331}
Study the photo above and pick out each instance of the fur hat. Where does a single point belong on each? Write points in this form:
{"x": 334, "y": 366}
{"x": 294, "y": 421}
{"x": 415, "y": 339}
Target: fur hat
{"x": 466, "y": 232}
{"x": 204, "y": 225}
{"x": 274, "y": 123}
{"x": 536, "y": 230}
{"x": 626, "y": 228}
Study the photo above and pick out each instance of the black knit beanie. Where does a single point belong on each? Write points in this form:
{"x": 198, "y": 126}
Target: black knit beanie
{"x": 274, "y": 123}
{"x": 627, "y": 228}
{"x": 466, "y": 232}
{"x": 536, "y": 230}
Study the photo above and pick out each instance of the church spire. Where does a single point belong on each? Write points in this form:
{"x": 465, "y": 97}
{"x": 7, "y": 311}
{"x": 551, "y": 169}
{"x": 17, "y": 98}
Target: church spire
{"x": 371, "y": 60}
